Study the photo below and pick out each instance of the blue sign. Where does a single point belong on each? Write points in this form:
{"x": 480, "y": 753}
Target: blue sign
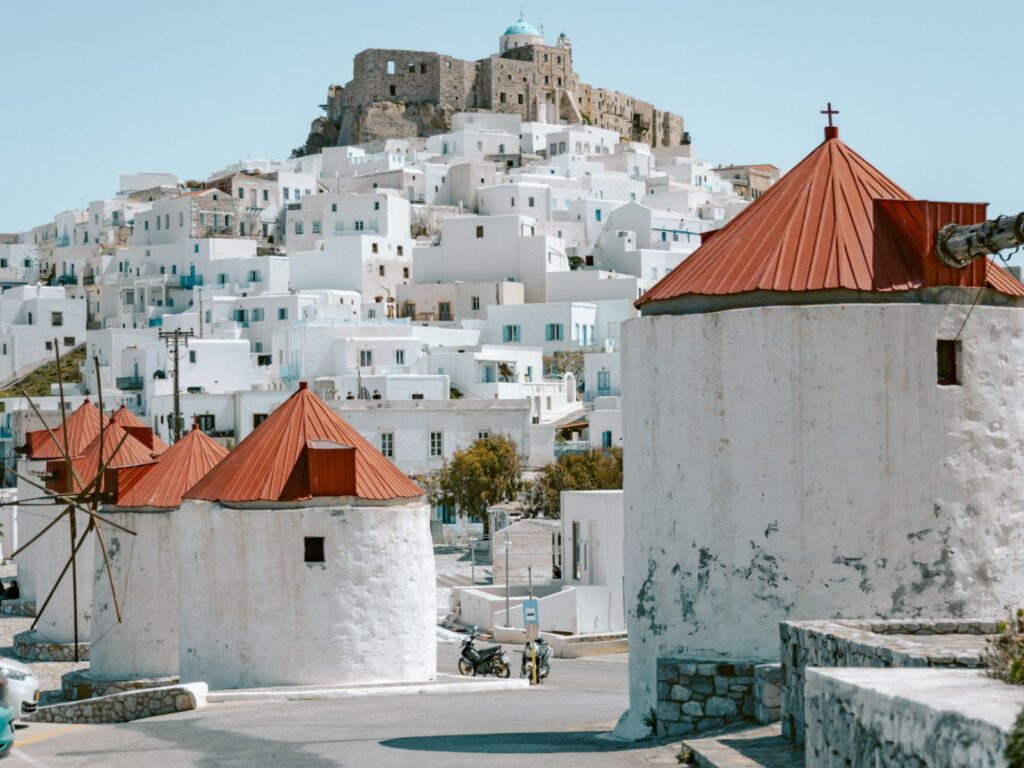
{"x": 531, "y": 611}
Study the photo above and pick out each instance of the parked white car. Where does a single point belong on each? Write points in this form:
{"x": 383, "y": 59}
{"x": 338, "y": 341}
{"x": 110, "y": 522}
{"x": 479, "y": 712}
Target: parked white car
{"x": 19, "y": 688}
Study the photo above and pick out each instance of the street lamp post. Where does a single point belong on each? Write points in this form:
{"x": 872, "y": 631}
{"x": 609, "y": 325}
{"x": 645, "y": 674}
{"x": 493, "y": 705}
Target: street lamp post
{"x": 508, "y": 612}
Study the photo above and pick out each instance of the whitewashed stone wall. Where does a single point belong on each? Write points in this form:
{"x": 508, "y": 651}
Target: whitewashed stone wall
{"x": 253, "y": 613}
{"x": 894, "y": 643}
{"x": 145, "y": 569}
{"x": 908, "y": 718}
{"x": 803, "y": 462}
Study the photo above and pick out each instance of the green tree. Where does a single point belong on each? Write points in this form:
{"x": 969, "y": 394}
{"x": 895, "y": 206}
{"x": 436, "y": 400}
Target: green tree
{"x": 488, "y": 472}
{"x": 596, "y": 470}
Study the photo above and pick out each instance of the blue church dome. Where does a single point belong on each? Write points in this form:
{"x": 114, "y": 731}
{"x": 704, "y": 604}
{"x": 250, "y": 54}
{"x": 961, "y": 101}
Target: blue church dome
{"x": 522, "y": 28}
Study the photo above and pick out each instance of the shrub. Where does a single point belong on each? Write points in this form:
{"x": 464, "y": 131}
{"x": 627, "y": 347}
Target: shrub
{"x": 1005, "y": 656}
{"x": 1015, "y": 744}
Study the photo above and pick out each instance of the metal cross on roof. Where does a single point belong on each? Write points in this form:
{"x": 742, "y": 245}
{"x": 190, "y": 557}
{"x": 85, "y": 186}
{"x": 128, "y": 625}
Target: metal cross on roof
{"x": 829, "y": 111}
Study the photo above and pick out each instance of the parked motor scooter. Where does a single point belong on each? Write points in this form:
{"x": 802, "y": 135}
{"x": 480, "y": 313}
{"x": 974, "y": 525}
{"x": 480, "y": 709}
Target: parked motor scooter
{"x": 488, "y": 660}
{"x": 541, "y": 651}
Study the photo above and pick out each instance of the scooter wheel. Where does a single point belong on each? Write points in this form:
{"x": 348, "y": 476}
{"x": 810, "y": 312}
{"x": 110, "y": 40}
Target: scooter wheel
{"x": 467, "y": 669}
{"x": 501, "y": 669}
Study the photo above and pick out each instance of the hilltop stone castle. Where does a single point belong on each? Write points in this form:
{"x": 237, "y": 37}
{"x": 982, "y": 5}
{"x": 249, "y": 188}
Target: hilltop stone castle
{"x": 398, "y": 94}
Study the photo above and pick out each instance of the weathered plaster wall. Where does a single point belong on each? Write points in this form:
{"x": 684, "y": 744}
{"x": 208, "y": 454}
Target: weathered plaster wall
{"x": 908, "y": 718}
{"x": 53, "y": 549}
{"x": 802, "y": 462}
{"x": 253, "y": 613}
{"x": 29, "y": 524}
{"x": 145, "y": 568}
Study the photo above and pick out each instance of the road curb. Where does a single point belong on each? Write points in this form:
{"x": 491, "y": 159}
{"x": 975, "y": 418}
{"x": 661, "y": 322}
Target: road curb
{"x": 312, "y": 694}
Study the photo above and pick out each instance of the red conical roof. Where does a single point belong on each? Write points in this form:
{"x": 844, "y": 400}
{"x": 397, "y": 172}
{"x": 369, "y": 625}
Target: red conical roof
{"x": 819, "y": 228}
{"x": 178, "y": 469}
{"x": 125, "y": 418}
{"x": 284, "y": 460}
{"x": 82, "y": 425}
{"x": 128, "y": 453}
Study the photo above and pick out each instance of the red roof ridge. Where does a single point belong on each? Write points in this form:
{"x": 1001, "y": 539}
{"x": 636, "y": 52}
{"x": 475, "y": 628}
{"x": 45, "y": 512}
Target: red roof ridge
{"x": 279, "y": 460}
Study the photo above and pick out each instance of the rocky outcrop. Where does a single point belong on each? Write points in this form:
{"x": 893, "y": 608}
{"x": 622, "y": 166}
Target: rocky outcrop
{"x": 323, "y": 132}
{"x": 393, "y": 120}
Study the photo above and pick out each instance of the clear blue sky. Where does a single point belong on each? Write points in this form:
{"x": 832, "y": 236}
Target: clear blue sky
{"x": 95, "y": 89}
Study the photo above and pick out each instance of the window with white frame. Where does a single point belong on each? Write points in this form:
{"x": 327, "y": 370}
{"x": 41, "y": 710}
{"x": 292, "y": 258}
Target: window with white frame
{"x": 436, "y": 443}
{"x": 387, "y": 444}
{"x": 399, "y": 357}
{"x": 365, "y": 358}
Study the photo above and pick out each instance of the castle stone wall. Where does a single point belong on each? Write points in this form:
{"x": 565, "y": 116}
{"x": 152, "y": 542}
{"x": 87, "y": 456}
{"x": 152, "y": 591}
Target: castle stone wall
{"x": 420, "y": 91}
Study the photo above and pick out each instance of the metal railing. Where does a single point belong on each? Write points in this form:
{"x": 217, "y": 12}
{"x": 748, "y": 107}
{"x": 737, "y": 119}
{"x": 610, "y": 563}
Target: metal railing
{"x": 572, "y": 446}
{"x": 191, "y": 281}
{"x": 129, "y": 383}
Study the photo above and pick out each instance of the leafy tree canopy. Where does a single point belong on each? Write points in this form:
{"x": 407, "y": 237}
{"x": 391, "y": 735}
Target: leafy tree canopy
{"x": 595, "y": 470}
{"x": 488, "y": 472}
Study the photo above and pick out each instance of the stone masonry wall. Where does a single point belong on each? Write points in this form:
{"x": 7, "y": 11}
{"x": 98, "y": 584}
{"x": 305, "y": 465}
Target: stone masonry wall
{"x": 870, "y": 644}
{"x": 909, "y": 719}
{"x": 699, "y": 695}
{"x": 80, "y": 684}
{"x": 426, "y": 88}
{"x": 125, "y": 707}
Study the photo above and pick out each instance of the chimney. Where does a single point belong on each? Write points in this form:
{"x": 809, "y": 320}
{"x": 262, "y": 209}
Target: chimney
{"x": 143, "y": 434}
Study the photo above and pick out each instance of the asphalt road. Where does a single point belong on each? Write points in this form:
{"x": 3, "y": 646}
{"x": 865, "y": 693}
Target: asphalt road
{"x": 560, "y": 724}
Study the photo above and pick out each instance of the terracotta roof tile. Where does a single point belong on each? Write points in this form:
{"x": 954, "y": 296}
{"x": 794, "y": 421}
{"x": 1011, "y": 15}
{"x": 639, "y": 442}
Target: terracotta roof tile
{"x": 279, "y": 461}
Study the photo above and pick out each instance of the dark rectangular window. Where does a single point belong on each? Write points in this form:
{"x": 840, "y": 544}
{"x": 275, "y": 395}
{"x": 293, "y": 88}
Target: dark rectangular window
{"x": 947, "y": 353}
{"x": 577, "y": 573}
{"x": 314, "y": 549}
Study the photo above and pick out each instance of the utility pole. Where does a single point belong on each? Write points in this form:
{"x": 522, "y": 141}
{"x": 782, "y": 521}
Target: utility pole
{"x": 173, "y": 338}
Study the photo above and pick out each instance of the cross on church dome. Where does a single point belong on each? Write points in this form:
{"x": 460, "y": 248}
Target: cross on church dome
{"x": 831, "y": 131}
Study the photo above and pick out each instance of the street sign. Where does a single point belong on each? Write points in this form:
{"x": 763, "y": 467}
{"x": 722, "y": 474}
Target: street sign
{"x": 531, "y": 611}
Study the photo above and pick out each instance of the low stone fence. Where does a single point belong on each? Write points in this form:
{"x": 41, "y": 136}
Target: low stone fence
{"x": 31, "y": 645}
{"x": 80, "y": 684}
{"x": 893, "y": 643}
{"x": 697, "y": 695}
{"x": 18, "y": 607}
{"x": 908, "y": 718}
{"x": 125, "y": 707}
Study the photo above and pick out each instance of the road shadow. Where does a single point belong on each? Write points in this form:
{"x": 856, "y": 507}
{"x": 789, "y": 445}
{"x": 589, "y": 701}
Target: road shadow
{"x": 767, "y": 751}
{"x": 544, "y": 743}
{"x": 215, "y": 748}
